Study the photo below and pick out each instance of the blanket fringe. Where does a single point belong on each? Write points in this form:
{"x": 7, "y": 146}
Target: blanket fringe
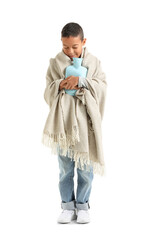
{"x": 65, "y": 140}
{"x": 59, "y": 145}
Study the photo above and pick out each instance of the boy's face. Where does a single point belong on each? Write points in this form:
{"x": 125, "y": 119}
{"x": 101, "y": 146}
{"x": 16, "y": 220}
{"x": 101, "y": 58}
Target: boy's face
{"x": 72, "y": 46}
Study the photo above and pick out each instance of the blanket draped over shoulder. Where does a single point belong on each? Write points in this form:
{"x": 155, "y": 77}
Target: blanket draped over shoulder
{"x": 73, "y": 124}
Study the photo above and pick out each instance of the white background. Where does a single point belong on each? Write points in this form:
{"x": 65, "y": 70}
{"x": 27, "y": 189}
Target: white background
{"x": 125, "y": 36}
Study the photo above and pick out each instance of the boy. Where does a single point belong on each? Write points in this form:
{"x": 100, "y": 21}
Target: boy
{"x": 73, "y": 127}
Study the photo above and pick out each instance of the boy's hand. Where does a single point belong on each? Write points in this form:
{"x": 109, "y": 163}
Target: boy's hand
{"x": 70, "y": 82}
{"x": 62, "y": 84}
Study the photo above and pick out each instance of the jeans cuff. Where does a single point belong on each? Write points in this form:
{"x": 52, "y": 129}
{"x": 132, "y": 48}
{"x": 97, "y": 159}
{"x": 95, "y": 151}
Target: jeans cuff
{"x": 68, "y": 205}
{"x": 83, "y": 206}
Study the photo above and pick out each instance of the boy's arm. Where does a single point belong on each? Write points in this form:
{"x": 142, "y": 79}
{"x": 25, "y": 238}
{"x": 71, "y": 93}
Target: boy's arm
{"x": 52, "y": 86}
{"x": 98, "y": 85}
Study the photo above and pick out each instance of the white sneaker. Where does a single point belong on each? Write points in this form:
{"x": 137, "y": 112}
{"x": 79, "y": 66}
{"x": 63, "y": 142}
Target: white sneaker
{"x": 67, "y": 216}
{"x": 83, "y": 216}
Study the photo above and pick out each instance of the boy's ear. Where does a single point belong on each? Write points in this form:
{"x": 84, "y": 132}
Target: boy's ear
{"x": 84, "y": 41}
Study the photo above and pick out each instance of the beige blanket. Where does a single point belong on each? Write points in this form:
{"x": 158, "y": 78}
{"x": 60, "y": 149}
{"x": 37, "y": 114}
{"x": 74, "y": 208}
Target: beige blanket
{"x": 74, "y": 122}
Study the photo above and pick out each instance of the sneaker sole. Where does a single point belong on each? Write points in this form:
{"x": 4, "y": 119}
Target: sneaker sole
{"x": 83, "y": 221}
{"x": 74, "y": 217}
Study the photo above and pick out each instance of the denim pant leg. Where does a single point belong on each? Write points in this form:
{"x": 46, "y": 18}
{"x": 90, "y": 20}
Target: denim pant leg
{"x": 84, "y": 185}
{"x": 66, "y": 183}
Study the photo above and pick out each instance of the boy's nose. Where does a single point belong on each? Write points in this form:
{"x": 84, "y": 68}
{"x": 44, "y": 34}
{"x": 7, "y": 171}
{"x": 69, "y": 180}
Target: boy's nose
{"x": 71, "y": 54}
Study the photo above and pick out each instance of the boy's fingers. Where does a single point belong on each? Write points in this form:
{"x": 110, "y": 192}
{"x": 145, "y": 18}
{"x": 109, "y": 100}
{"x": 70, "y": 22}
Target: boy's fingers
{"x": 68, "y": 77}
{"x": 63, "y": 83}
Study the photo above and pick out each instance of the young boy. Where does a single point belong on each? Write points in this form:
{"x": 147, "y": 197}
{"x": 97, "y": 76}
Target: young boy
{"x": 81, "y": 114}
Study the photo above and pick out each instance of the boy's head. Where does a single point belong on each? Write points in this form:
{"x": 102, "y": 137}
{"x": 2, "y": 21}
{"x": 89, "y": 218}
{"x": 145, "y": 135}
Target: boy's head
{"x": 73, "y": 40}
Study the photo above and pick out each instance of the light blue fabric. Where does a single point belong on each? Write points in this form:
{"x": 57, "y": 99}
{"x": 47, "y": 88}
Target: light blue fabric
{"x": 66, "y": 184}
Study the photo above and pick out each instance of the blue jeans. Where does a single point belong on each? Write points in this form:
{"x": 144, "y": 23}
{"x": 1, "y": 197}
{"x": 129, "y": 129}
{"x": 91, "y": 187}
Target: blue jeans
{"x": 66, "y": 184}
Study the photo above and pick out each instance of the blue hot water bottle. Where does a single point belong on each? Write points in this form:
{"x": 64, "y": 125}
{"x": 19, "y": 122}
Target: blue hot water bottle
{"x": 76, "y": 70}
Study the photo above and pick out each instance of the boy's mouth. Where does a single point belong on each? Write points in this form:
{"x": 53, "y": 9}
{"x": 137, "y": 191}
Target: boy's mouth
{"x": 71, "y": 57}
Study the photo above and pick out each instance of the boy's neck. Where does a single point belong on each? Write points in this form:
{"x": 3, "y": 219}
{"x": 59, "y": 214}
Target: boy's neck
{"x": 81, "y": 53}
